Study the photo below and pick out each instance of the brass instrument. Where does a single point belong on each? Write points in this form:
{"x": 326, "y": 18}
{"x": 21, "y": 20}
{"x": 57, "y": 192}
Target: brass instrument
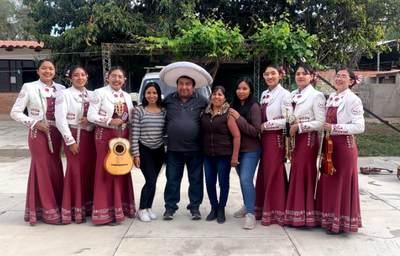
{"x": 45, "y": 121}
{"x": 290, "y": 142}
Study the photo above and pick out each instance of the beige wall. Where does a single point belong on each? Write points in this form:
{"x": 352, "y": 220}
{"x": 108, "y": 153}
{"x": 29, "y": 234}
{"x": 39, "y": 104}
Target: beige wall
{"x": 385, "y": 99}
{"x": 24, "y": 54}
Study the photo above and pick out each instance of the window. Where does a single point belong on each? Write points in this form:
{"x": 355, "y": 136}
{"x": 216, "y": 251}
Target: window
{"x": 387, "y": 79}
{"x": 13, "y": 73}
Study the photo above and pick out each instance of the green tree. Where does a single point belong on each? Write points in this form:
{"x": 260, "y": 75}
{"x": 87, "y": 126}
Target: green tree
{"x": 346, "y": 29}
{"x": 13, "y": 21}
{"x": 208, "y": 37}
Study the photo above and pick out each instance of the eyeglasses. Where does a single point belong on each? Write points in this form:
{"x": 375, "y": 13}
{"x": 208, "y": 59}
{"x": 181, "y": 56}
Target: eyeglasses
{"x": 341, "y": 76}
{"x": 117, "y": 77}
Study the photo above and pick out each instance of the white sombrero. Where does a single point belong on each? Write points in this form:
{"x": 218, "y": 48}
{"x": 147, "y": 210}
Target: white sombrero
{"x": 172, "y": 72}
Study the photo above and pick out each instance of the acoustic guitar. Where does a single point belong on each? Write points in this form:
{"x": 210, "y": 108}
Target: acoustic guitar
{"x": 118, "y": 160}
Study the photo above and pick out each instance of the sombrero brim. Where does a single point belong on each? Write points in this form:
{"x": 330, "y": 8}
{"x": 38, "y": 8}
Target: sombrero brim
{"x": 172, "y": 72}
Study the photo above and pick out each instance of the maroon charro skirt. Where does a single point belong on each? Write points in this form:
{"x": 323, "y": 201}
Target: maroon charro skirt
{"x": 303, "y": 172}
{"x": 338, "y": 198}
{"x": 113, "y": 195}
{"x": 271, "y": 184}
{"x": 45, "y": 182}
{"x": 79, "y": 179}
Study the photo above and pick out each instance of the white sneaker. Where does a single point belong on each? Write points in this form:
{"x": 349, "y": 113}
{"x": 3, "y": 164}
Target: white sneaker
{"x": 250, "y": 221}
{"x": 151, "y": 214}
{"x": 143, "y": 215}
{"x": 241, "y": 213}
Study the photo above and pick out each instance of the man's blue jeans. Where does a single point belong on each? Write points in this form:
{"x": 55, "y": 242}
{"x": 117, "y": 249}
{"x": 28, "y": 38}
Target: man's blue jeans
{"x": 175, "y": 165}
{"x": 221, "y": 166}
{"x": 246, "y": 169}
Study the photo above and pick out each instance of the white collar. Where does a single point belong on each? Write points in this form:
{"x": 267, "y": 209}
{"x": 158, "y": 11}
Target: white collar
{"x": 343, "y": 93}
{"x": 44, "y": 85}
{"x": 302, "y": 91}
{"x": 274, "y": 90}
{"x": 112, "y": 90}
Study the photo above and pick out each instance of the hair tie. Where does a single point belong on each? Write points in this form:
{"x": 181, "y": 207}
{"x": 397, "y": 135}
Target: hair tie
{"x": 106, "y": 74}
{"x": 315, "y": 79}
{"x": 283, "y": 72}
{"x": 358, "y": 79}
{"x": 67, "y": 75}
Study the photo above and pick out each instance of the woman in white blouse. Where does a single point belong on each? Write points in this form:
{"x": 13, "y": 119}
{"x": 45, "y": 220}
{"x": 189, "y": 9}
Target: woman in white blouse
{"x": 272, "y": 184}
{"x": 338, "y": 199}
{"x": 113, "y": 197}
{"x": 71, "y": 111}
{"x": 309, "y": 109}
{"x": 45, "y": 182}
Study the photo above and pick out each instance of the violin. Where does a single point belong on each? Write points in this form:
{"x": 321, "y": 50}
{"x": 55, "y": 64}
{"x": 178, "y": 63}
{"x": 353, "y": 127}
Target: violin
{"x": 326, "y": 164}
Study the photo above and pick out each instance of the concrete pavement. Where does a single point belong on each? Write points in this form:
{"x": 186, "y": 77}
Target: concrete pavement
{"x": 380, "y": 203}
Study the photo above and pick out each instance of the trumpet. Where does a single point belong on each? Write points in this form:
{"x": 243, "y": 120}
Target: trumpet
{"x": 290, "y": 142}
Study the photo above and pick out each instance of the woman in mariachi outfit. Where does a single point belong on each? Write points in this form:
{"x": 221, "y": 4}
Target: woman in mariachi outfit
{"x": 272, "y": 183}
{"x": 338, "y": 199}
{"x": 45, "y": 182}
{"x": 309, "y": 110}
{"x": 71, "y": 113}
{"x": 113, "y": 195}
{"x": 247, "y": 113}
{"x": 221, "y": 144}
{"x": 148, "y": 145}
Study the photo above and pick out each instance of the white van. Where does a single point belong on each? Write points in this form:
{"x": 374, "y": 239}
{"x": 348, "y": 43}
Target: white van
{"x": 165, "y": 89}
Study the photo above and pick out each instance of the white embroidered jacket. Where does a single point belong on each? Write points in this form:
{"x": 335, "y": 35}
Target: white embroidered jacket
{"x": 29, "y": 97}
{"x": 68, "y": 111}
{"x": 101, "y": 107}
{"x": 276, "y": 110}
{"x": 350, "y": 114}
{"x": 310, "y": 110}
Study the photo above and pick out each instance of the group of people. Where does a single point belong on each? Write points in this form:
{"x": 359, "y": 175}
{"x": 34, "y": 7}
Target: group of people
{"x": 215, "y": 134}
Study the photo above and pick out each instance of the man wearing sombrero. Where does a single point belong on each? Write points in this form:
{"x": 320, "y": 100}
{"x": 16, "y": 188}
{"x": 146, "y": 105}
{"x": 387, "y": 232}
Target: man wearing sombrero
{"x": 183, "y": 129}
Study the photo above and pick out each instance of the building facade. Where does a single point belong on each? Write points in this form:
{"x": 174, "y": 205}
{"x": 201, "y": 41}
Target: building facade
{"x": 17, "y": 66}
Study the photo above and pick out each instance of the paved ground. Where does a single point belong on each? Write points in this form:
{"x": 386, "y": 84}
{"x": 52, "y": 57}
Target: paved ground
{"x": 380, "y": 203}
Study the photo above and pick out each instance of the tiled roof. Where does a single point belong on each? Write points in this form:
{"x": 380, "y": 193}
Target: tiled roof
{"x": 21, "y": 44}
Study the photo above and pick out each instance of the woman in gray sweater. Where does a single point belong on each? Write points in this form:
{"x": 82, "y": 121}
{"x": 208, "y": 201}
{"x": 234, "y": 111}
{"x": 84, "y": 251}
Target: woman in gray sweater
{"x": 148, "y": 145}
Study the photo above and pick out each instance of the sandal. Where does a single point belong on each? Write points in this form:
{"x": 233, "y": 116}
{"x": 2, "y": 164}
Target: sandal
{"x": 330, "y": 232}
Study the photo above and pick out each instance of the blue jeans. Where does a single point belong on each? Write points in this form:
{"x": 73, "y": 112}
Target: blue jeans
{"x": 175, "y": 164}
{"x": 246, "y": 169}
{"x": 221, "y": 166}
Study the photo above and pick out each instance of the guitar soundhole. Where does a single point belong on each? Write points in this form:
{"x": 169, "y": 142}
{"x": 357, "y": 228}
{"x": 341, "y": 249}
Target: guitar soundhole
{"x": 119, "y": 149}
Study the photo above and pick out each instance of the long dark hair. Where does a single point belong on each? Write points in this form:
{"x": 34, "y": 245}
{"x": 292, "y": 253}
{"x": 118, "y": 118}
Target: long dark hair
{"x": 309, "y": 70}
{"x": 157, "y": 87}
{"x": 236, "y": 105}
{"x": 351, "y": 74}
{"x": 42, "y": 61}
{"x": 75, "y": 67}
{"x": 218, "y": 87}
{"x": 274, "y": 66}
{"x": 116, "y": 68}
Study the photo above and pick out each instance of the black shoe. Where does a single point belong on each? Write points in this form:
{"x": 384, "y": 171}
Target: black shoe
{"x": 111, "y": 223}
{"x": 57, "y": 223}
{"x": 330, "y": 232}
{"x": 169, "y": 214}
{"x": 213, "y": 214}
{"x": 221, "y": 215}
{"x": 195, "y": 213}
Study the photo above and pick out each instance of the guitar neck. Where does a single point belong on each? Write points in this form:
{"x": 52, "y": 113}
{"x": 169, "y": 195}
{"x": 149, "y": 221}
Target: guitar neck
{"x": 120, "y": 129}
